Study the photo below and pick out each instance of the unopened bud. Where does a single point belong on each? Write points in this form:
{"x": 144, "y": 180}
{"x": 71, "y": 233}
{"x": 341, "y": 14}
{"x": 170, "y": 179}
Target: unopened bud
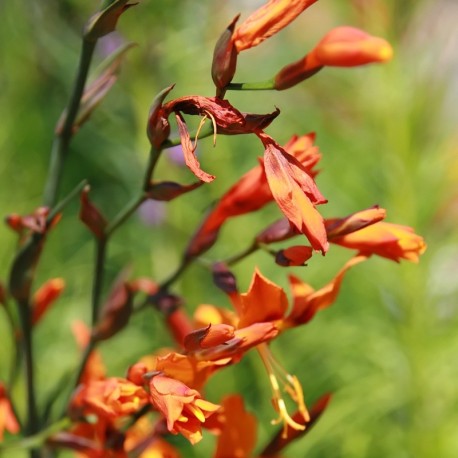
{"x": 91, "y": 216}
{"x": 46, "y": 295}
{"x": 354, "y": 222}
{"x": 225, "y": 57}
{"x": 293, "y": 256}
{"x": 115, "y": 313}
{"x": 158, "y": 128}
{"x": 104, "y": 22}
{"x": 341, "y": 47}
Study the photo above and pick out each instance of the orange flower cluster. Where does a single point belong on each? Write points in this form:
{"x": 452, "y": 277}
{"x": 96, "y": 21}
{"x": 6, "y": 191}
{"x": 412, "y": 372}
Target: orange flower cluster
{"x": 163, "y": 393}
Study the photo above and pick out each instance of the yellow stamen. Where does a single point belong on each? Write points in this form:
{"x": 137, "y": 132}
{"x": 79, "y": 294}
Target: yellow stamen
{"x": 199, "y": 128}
{"x": 215, "y": 127}
{"x": 291, "y": 386}
{"x": 196, "y": 412}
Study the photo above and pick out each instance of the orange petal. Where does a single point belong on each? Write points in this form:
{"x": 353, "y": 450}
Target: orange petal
{"x": 267, "y": 21}
{"x": 265, "y": 301}
{"x": 294, "y": 256}
{"x": 388, "y": 240}
{"x": 238, "y": 429}
{"x": 307, "y": 302}
{"x": 189, "y": 151}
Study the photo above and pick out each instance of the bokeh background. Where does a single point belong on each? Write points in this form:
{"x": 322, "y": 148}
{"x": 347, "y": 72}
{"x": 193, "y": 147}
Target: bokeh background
{"x": 388, "y": 348}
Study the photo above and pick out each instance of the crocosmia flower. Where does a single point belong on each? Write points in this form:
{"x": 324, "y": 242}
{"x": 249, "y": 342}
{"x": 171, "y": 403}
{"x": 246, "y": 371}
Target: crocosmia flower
{"x": 388, "y": 240}
{"x": 183, "y": 407}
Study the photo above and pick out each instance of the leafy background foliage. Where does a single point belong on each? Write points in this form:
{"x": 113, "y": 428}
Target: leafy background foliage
{"x": 387, "y": 349}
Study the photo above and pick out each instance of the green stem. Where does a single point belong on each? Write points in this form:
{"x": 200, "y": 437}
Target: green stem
{"x": 242, "y": 255}
{"x": 130, "y": 208}
{"x": 268, "y": 85}
{"x": 154, "y": 155}
{"x": 124, "y": 214}
{"x": 185, "y": 262}
{"x": 99, "y": 268}
{"x": 27, "y": 350}
{"x": 38, "y": 439}
{"x": 62, "y": 139}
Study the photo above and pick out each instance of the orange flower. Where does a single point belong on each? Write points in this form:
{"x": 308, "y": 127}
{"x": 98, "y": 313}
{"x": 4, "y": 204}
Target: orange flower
{"x": 238, "y": 429}
{"x": 388, "y": 240}
{"x": 110, "y": 398}
{"x": 267, "y": 21}
{"x": 295, "y": 192}
{"x": 7, "y": 418}
{"x": 249, "y": 194}
{"x": 307, "y": 301}
{"x": 183, "y": 407}
{"x": 341, "y": 47}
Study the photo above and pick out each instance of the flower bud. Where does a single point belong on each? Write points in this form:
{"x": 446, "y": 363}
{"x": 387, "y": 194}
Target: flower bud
{"x": 46, "y": 295}
{"x": 116, "y": 311}
{"x": 224, "y": 58}
{"x": 104, "y": 22}
{"x": 158, "y": 128}
{"x": 293, "y": 256}
{"x": 91, "y": 216}
{"x": 341, "y": 47}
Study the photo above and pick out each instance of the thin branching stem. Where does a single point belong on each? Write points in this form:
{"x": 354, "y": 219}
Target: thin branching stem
{"x": 63, "y": 137}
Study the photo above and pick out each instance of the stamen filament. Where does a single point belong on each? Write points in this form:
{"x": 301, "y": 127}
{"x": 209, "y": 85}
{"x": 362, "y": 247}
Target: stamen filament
{"x": 291, "y": 386}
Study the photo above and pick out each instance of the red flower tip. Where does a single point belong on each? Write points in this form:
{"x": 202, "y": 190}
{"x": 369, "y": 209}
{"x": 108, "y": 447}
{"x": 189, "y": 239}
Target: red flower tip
{"x": 294, "y": 256}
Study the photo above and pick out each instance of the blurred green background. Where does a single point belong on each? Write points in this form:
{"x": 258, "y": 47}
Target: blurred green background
{"x": 388, "y": 348}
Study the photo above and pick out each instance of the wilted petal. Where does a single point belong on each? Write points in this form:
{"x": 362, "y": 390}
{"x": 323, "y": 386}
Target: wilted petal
{"x": 189, "y": 151}
{"x": 166, "y": 191}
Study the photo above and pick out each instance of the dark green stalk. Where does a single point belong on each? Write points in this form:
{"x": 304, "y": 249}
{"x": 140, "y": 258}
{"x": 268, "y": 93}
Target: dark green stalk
{"x": 62, "y": 139}
{"x": 32, "y": 425}
{"x": 99, "y": 269}
{"x": 38, "y": 439}
{"x": 124, "y": 214}
{"x": 185, "y": 263}
{"x": 268, "y": 85}
{"x": 242, "y": 255}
